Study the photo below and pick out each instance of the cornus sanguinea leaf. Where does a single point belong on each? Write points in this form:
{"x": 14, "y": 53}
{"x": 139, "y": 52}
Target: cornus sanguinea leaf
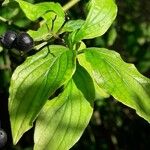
{"x": 63, "y": 119}
{"x": 52, "y": 14}
{"x": 119, "y": 79}
{"x": 33, "y": 82}
{"x": 101, "y": 15}
{"x": 34, "y": 11}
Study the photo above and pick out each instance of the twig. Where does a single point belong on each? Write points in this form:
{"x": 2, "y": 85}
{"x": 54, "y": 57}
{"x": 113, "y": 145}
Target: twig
{"x": 3, "y": 19}
{"x": 70, "y": 4}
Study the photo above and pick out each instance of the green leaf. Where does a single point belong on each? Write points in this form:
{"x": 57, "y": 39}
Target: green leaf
{"x": 84, "y": 83}
{"x": 45, "y": 31}
{"x": 72, "y": 25}
{"x": 9, "y": 12}
{"x": 5, "y": 2}
{"x": 112, "y": 35}
{"x": 119, "y": 79}
{"x": 63, "y": 119}
{"x": 101, "y": 15}
{"x": 53, "y": 16}
{"x": 34, "y": 11}
{"x": 41, "y": 34}
{"x": 99, "y": 92}
{"x": 33, "y": 82}
{"x": 48, "y": 29}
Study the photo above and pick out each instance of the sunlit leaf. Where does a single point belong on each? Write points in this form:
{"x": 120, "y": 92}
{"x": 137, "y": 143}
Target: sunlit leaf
{"x": 99, "y": 92}
{"x": 53, "y": 16}
{"x": 63, "y": 119}
{"x": 119, "y": 79}
{"x": 33, "y": 82}
{"x": 101, "y": 15}
{"x": 72, "y": 25}
{"x": 34, "y": 11}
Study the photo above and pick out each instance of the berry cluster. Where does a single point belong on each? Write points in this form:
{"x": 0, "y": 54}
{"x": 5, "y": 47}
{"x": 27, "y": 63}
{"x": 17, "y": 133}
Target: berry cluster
{"x": 22, "y": 41}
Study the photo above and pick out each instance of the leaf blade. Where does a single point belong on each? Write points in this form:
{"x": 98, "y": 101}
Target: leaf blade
{"x": 72, "y": 25}
{"x": 64, "y": 118}
{"x": 120, "y": 79}
{"x": 33, "y": 82}
{"x": 52, "y": 14}
{"x": 101, "y": 15}
{"x": 34, "y": 11}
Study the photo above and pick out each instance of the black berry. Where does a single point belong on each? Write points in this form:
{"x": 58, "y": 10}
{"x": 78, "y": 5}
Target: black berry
{"x": 3, "y": 138}
{"x": 24, "y": 42}
{"x": 8, "y": 39}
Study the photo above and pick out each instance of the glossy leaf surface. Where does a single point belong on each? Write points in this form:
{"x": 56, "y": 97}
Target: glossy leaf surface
{"x": 63, "y": 119}
{"x": 33, "y": 82}
{"x": 101, "y": 15}
{"x": 120, "y": 79}
{"x": 34, "y": 11}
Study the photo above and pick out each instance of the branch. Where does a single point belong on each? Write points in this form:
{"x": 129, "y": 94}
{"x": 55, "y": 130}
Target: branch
{"x": 70, "y": 4}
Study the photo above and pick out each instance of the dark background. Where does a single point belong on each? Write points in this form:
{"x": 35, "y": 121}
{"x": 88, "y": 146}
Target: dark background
{"x": 113, "y": 126}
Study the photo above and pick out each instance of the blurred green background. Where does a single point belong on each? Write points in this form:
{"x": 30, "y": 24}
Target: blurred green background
{"x": 113, "y": 126}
